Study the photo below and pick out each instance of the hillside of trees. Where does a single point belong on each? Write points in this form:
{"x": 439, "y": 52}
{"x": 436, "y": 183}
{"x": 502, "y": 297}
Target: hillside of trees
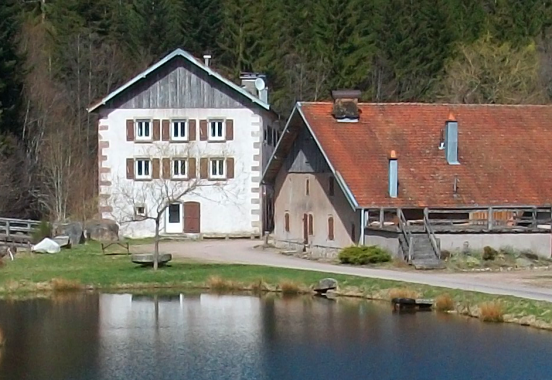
{"x": 57, "y": 56}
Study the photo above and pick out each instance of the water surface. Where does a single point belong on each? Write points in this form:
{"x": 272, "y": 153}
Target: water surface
{"x": 108, "y": 336}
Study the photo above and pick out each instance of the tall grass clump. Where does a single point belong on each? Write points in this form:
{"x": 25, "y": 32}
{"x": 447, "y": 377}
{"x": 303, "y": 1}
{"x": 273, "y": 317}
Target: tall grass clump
{"x": 219, "y": 284}
{"x": 362, "y": 255}
{"x": 289, "y": 287}
{"x": 402, "y": 293}
{"x": 491, "y": 312}
{"x": 444, "y": 302}
{"x": 63, "y": 285}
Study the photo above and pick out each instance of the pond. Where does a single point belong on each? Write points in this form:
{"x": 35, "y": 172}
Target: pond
{"x": 206, "y": 336}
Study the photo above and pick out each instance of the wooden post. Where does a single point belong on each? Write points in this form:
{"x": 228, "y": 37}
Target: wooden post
{"x": 534, "y": 223}
{"x": 490, "y": 221}
{"x": 7, "y": 229}
{"x": 381, "y": 217}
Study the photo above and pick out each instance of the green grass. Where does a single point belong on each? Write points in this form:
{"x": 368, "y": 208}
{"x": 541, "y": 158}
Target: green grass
{"x": 85, "y": 265}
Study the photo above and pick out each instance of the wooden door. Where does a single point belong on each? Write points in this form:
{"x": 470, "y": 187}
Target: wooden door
{"x": 305, "y": 229}
{"x": 192, "y": 217}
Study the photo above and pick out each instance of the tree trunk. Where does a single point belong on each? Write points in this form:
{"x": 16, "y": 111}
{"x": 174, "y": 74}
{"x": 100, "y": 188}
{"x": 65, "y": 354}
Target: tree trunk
{"x": 156, "y": 249}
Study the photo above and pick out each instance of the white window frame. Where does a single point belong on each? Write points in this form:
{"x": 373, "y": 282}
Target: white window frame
{"x": 210, "y": 135}
{"x": 218, "y": 175}
{"x": 138, "y": 214}
{"x": 179, "y": 138}
{"x": 179, "y": 176}
{"x": 137, "y": 165}
{"x": 137, "y": 125}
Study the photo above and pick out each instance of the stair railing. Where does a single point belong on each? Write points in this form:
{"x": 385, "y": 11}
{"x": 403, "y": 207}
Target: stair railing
{"x": 403, "y": 226}
{"x": 429, "y": 231}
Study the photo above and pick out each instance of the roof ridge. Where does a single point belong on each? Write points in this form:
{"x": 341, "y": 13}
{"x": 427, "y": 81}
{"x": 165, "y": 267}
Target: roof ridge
{"x": 420, "y": 104}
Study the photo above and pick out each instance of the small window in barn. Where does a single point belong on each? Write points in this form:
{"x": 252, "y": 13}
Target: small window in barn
{"x": 179, "y": 130}
{"x": 311, "y": 225}
{"x": 143, "y": 168}
{"x": 307, "y": 187}
{"x": 179, "y": 168}
{"x": 139, "y": 212}
{"x": 269, "y": 137}
{"x": 330, "y": 228}
{"x": 216, "y": 130}
{"x": 143, "y": 130}
{"x": 286, "y": 221}
{"x": 331, "y": 186}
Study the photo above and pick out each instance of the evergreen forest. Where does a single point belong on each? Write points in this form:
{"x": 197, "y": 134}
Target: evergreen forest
{"x": 58, "y": 56}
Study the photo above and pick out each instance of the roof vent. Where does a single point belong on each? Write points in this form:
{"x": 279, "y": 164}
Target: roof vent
{"x": 345, "y": 107}
{"x": 207, "y": 58}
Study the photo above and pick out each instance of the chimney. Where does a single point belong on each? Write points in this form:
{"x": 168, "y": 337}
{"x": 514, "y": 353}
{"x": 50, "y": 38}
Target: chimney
{"x": 255, "y": 84}
{"x": 393, "y": 175}
{"x": 451, "y": 140}
{"x": 207, "y": 59}
{"x": 345, "y": 107}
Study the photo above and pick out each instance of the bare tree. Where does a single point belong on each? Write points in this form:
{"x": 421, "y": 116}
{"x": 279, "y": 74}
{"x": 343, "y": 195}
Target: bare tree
{"x": 139, "y": 201}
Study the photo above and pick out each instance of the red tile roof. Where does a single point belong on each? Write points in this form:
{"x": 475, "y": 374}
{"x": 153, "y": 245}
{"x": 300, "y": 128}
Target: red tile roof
{"x": 504, "y": 153}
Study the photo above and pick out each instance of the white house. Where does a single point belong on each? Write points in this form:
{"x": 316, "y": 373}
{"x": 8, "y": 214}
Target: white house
{"x": 181, "y": 124}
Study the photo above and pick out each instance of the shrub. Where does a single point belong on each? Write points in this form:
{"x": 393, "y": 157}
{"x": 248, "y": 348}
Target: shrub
{"x": 489, "y": 253}
{"x": 445, "y": 254}
{"x": 43, "y": 230}
{"x": 444, "y": 302}
{"x": 362, "y": 255}
{"x": 508, "y": 250}
{"x": 491, "y": 312}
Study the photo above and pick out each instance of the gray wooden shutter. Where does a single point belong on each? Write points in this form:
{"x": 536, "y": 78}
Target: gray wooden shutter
{"x": 156, "y": 168}
{"x": 166, "y": 168}
{"x": 130, "y": 168}
{"x": 203, "y": 130}
{"x": 229, "y": 129}
{"x": 191, "y": 130}
{"x": 191, "y": 168}
{"x": 230, "y": 167}
{"x": 130, "y": 130}
{"x": 166, "y": 132}
{"x": 156, "y": 130}
{"x": 204, "y": 168}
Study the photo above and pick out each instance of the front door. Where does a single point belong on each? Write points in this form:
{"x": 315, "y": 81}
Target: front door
{"x": 174, "y": 219}
{"x": 192, "y": 217}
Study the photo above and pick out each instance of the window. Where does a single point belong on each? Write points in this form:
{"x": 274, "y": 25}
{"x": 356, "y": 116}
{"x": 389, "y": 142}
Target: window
{"x": 286, "y": 221}
{"x": 270, "y": 135}
{"x": 216, "y": 168}
{"x": 140, "y": 211}
{"x": 216, "y": 129}
{"x": 179, "y": 168}
{"x": 143, "y": 169}
{"x": 330, "y": 228}
{"x": 307, "y": 187}
{"x": 143, "y": 130}
{"x": 311, "y": 225}
{"x": 331, "y": 186}
{"x": 179, "y": 130}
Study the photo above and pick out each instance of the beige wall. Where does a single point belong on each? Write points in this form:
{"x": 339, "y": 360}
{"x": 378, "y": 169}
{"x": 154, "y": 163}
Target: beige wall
{"x": 290, "y": 196}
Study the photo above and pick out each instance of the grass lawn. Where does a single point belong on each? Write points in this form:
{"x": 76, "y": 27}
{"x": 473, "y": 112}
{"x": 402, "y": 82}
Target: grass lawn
{"x": 85, "y": 265}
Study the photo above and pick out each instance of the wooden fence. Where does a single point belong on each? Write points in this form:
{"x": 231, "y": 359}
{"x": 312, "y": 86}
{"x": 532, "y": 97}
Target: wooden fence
{"x": 17, "y": 231}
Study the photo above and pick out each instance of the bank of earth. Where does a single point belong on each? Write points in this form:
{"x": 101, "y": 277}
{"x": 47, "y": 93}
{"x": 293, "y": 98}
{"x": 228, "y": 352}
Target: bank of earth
{"x": 85, "y": 267}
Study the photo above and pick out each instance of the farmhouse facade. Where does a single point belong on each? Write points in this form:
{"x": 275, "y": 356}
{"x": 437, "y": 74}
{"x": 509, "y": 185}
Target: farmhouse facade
{"x": 417, "y": 179}
{"x": 180, "y": 123}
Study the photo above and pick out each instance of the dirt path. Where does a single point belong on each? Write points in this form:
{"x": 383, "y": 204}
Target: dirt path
{"x": 535, "y": 285}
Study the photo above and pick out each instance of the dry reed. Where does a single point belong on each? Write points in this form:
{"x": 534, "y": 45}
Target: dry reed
{"x": 491, "y": 312}
{"x": 402, "y": 293}
{"x": 64, "y": 285}
{"x": 444, "y": 302}
{"x": 289, "y": 287}
{"x": 219, "y": 284}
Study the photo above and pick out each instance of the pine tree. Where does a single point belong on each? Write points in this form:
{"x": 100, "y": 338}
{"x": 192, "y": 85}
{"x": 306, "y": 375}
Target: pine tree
{"x": 10, "y": 68}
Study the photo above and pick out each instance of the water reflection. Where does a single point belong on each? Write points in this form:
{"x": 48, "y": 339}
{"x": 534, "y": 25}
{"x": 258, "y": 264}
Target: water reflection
{"x": 205, "y": 336}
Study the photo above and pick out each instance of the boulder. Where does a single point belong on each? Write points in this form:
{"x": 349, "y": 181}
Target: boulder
{"x": 102, "y": 230}
{"x": 326, "y": 284}
{"x": 73, "y": 230}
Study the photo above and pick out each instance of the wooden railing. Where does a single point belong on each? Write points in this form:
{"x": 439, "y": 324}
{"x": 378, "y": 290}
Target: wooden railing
{"x": 403, "y": 227}
{"x": 17, "y": 231}
{"x": 431, "y": 234}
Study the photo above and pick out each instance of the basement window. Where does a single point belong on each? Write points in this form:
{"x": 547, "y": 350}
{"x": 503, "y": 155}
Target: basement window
{"x": 140, "y": 211}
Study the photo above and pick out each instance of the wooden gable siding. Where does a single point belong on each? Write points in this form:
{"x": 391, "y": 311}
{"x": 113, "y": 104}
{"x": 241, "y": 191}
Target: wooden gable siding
{"x": 179, "y": 84}
{"x": 305, "y": 157}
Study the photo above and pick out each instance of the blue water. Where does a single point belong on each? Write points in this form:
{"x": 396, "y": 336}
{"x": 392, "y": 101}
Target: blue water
{"x": 245, "y": 337}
